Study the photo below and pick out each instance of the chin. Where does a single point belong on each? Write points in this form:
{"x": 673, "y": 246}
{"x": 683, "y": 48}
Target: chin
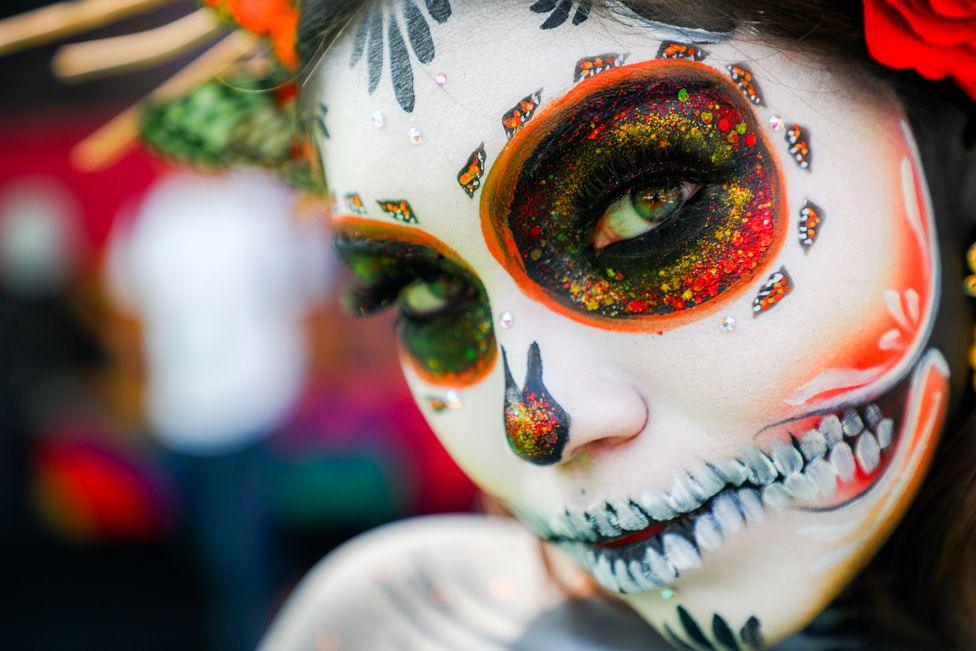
{"x": 755, "y": 544}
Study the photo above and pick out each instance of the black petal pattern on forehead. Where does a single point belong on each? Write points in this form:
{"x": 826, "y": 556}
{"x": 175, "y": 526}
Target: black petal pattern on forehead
{"x": 370, "y": 38}
{"x": 440, "y": 10}
{"x": 559, "y": 10}
{"x": 320, "y": 119}
{"x": 418, "y": 32}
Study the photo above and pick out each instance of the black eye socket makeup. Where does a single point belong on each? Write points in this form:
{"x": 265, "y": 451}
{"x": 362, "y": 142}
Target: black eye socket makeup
{"x": 444, "y": 321}
{"x": 646, "y": 191}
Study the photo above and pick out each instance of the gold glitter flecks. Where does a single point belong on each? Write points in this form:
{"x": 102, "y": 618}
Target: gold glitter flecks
{"x": 740, "y": 216}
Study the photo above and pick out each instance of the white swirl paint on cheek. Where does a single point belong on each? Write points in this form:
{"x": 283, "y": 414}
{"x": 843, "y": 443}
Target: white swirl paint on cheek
{"x": 902, "y": 344}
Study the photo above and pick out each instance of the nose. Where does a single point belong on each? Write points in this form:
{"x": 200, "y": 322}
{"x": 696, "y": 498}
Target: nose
{"x": 591, "y": 413}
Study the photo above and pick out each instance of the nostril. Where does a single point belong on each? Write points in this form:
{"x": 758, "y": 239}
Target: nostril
{"x": 600, "y": 446}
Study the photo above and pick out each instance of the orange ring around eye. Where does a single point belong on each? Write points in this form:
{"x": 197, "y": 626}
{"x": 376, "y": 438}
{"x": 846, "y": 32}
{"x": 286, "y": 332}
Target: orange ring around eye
{"x": 359, "y": 227}
{"x": 499, "y": 190}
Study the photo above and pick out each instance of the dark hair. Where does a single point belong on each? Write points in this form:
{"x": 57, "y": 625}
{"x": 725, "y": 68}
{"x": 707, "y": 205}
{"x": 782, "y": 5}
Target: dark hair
{"x": 921, "y": 586}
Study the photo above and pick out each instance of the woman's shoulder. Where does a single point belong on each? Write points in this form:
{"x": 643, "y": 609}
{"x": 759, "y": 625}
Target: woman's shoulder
{"x": 446, "y": 582}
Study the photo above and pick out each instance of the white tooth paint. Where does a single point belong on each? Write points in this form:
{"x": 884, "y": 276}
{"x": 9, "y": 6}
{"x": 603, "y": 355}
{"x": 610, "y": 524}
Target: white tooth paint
{"x": 760, "y": 467}
{"x": 885, "y": 432}
{"x": 601, "y": 518}
{"x": 727, "y": 513}
{"x": 623, "y": 578}
{"x": 680, "y": 552}
{"x": 733, "y": 471}
{"x": 628, "y": 517}
{"x": 751, "y": 505}
{"x": 639, "y": 573}
{"x": 664, "y": 572}
{"x": 775, "y": 496}
{"x": 813, "y": 445}
{"x": 582, "y": 527}
{"x": 604, "y": 574}
{"x": 852, "y": 423}
{"x": 681, "y": 494}
{"x": 786, "y": 458}
{"x": 832, "y": 430}
{"x": 867, "y": 452}
{"x": 843, "y": 459}
{"x": 824, "y": 475}
{"x": 708, "y": 480}
{"x": 800, "y": 487}
{"x": 657, "y": 506}
{"x": 708, "y": 535}
{"x": 873, "y": 415}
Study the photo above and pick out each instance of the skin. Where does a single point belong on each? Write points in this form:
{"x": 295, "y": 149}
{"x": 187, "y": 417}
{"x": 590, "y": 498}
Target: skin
{"x": 653, "y": 396}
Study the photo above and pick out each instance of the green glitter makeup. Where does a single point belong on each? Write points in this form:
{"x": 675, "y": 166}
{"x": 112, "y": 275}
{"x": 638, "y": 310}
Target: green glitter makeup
{"x": 536, "y": 426}
{"x": 445, "y": 321}
{"x": 646, "y": 191}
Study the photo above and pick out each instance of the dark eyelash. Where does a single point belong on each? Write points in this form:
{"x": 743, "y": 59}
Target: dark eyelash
{"x": 395, "y": 265}
{"x": 637, "y": 167}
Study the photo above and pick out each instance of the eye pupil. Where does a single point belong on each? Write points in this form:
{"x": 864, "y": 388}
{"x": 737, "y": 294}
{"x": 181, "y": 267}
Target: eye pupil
{"x": 656, "y": 204}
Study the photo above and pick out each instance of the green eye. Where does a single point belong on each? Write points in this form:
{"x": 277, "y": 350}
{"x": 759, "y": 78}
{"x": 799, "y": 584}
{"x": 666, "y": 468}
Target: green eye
{"x": 639, "y": 212}
{"x": 424, "y": 298}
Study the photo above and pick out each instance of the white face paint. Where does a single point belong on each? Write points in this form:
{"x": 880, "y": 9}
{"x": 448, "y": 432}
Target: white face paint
{"x": 728, "y": 420}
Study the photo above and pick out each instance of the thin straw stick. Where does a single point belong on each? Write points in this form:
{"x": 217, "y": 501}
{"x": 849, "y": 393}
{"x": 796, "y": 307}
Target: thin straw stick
{"x": 64, "y": 18}
{"x": 105, "y": 146}
{"x": 119, "y": 54}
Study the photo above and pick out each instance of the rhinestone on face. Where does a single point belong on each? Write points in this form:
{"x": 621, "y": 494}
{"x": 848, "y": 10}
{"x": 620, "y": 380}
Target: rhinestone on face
{"x": 415, "y": 136}
{"x": 776, "y": 123}
{"x": 728, "y": 324}
{"x": 440, "y": 79}
{"x": 506, "y": 320}
{"x": 378, "y": 119}
{"x": 452, "y": 399}
{"x": 668, "y": 593}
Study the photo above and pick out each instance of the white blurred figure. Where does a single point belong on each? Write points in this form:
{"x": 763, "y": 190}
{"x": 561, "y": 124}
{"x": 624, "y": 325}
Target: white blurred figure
{"x": 39, "y": 238}
{"x": 221, "y": 274}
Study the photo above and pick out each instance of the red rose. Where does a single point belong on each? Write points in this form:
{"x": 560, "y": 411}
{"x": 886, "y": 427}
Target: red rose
{"x": 935, "y": 37}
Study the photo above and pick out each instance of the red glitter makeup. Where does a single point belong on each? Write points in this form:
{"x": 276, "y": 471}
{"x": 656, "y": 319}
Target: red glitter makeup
{"x": 637, "y": 131}
{"x": 536, "y": 425}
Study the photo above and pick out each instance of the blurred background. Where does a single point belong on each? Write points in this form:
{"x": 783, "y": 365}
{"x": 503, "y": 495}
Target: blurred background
{"x": 188, "y": 421}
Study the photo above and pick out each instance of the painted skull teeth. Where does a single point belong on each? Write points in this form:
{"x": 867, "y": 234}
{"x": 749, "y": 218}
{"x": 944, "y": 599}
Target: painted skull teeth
{"x": 648, "y": 541}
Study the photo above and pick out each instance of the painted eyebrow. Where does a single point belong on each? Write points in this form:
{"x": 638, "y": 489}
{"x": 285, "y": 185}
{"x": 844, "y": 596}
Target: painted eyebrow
{"x": 372, "y": 238}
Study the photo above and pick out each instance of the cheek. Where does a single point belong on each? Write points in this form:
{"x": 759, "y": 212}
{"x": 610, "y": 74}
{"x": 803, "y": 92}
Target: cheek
{"x": 468, "y": 423}
{"x": 877, "y": 300}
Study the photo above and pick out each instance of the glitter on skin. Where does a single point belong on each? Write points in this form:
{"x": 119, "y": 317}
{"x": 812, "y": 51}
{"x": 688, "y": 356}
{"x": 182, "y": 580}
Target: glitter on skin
{"x": 685, "y": 126}
{"x": 536, "y": 425}
{"x": 455, "y": 346}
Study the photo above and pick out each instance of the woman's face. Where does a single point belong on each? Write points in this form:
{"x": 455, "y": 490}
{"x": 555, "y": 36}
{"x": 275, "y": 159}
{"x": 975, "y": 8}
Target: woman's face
{"x": 665, "y": 293}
